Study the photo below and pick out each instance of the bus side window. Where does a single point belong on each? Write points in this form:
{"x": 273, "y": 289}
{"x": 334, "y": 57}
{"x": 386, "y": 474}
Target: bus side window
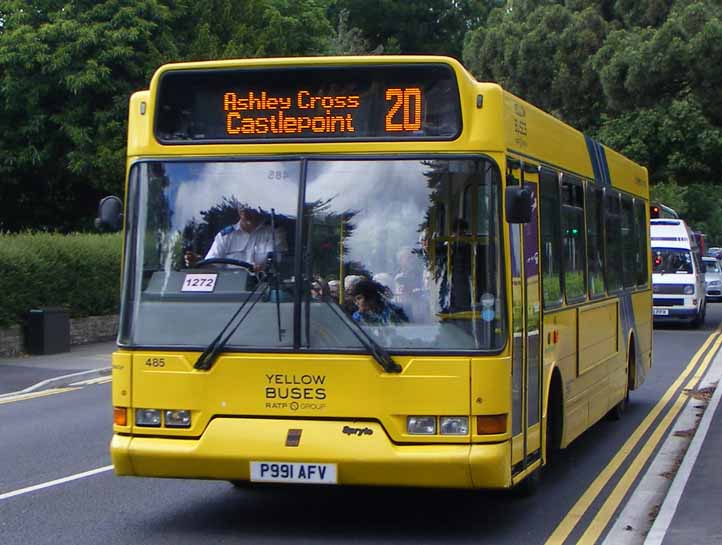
{"x": 573, "y": 233}
{"x": 629, "y": 242}
{"x": 551, "y": 262}
{"x": 613, "y": 239}
{"x": 595, "y": 240}
{"x": 642, "y": 228}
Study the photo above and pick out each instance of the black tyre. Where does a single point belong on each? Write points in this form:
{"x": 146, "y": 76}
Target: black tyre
{"x": 616, "y": 412}
{"x": 699, "y": 319}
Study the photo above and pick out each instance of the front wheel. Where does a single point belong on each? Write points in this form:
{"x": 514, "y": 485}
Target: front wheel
{"x": 699, "y": 318}
{"x": 529, "y": 486}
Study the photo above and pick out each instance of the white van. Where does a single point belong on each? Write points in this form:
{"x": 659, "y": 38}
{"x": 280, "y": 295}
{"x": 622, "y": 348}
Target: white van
{"x": 677, "y": 278}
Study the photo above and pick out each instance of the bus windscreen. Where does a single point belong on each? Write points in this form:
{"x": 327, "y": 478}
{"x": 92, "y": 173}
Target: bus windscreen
{"x": 380, "y": 102}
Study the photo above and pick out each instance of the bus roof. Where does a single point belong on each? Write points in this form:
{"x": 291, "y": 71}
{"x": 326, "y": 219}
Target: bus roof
{"x": 492, "y": 120}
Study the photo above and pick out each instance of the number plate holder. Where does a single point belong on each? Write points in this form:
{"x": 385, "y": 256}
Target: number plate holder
{"x": 660, "y": 311}
{"x": 293, "y": 472}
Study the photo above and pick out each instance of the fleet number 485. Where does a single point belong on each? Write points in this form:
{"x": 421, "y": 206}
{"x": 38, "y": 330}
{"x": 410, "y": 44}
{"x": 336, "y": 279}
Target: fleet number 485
{"x": 155, "y": 362}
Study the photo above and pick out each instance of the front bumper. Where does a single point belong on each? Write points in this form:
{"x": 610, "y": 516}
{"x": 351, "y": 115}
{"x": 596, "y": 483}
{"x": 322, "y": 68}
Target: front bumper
{"x": 714, "y": 292}
{"x": 674, "y": 313}
{"x": 228, "y": 445}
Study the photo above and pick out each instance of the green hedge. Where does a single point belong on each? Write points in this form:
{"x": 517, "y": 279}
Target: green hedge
{"x": 80, "y": 272}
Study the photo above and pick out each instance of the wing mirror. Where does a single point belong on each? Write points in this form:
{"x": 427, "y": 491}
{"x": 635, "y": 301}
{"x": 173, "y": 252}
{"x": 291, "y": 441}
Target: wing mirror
{"x": 110, "y": 214}
{"x": 518, "y": 204}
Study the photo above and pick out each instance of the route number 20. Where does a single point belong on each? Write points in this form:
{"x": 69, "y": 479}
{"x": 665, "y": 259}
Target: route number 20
{"x": 405, "y": 111}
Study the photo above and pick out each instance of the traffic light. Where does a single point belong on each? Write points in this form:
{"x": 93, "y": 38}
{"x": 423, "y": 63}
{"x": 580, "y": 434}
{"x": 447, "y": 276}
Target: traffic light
{"x": 654, "y": 211}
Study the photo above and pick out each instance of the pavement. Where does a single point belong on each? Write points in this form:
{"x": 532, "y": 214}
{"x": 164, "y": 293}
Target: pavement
{"x": 26, "y": 374}
{"x": 690, "y": 513}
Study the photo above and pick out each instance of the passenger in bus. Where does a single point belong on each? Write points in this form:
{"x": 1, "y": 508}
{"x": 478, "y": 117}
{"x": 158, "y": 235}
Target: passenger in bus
{"x": 373, "y": 307}
{"x": 320, "y": 289}
{"x": 333, "y": 289}
{"x": 251, "y": 239}
{"x": 349, "y": 284}
{"x": 408, "y": 286}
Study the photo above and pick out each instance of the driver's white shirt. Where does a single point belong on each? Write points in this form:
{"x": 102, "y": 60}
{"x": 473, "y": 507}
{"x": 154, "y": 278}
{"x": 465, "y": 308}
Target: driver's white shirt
{"x": 235, "y": 243}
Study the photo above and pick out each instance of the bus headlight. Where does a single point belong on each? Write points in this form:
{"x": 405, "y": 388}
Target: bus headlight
{"x": 147, "y": 417}
{"x": 421, "y": 425}
{"x": 454, "y": 425}
{"x": 178, "y": 419}
{"x": 689, "y": 289}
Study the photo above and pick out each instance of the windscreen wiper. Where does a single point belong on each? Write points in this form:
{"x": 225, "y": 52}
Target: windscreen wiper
{"x": 206, "y": 360}
{"x": 272, "y": 272}
{"x": 379, "y": 353}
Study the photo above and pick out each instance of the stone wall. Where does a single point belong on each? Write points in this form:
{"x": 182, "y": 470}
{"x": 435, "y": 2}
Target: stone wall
{"x": 11, "y": 341}
{"x": 93, "y": 329}
{"x": 82, "y": 330}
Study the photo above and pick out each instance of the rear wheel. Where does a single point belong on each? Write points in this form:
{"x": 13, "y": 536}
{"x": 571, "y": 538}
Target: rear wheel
{"x": 616, "y": 412}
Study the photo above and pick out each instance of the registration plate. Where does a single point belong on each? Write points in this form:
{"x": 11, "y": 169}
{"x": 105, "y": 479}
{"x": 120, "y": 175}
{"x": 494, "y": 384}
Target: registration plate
{"x": 660, "y": 311}
{"x": 293, "y": 472}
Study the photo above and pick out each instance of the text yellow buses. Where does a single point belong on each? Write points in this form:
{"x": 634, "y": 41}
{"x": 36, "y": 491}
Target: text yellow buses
{"x": 370, "y": 270}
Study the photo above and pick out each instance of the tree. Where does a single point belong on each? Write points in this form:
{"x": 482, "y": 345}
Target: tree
{"x": 224, "y": 29}
{"x": 636, "y": 74}
{"x": 662, "y": 91}
{"x": 66, "y": 71}
{"x": 346, "y": 40}
{"x": 419, "y": 27}
{"x": 541, "y": 51}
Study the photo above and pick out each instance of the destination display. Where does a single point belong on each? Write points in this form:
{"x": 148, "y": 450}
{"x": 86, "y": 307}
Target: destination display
{"x": 408, "y": 102}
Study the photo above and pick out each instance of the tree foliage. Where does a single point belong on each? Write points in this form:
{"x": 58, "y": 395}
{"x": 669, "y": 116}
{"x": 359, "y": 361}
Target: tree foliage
{"x": 642, "y": 76}
{"x": 66, "y": 71}
{"x": 636, "y": 74}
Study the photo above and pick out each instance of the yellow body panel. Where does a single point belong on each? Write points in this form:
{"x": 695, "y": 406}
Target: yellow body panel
{"x": 315, "y": 386}
{"x": 228, "y": 445}
{"x": 597, "y": 344}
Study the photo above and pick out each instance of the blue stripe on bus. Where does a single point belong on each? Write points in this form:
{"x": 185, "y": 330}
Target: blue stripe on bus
{"x": 629, "y": 323}
{"x": 598, "y": 157}
{"x": 603, "y": 162}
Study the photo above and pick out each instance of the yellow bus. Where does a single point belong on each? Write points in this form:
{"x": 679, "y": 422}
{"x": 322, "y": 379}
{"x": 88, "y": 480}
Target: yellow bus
{"x": 369, "y": 271}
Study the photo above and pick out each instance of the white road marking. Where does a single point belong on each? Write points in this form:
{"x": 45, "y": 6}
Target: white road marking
{"x": 96, "y": 380}
{"x": 33, "y": 395}
{"x": 56, "y": 482}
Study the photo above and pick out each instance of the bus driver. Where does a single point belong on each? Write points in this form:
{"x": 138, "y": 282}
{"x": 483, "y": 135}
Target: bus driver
{"x": 249, "y": 240}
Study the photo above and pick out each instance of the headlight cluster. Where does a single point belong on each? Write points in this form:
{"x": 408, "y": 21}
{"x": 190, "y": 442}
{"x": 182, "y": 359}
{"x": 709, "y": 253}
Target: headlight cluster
{"x": 447, "y": 425}
{"x": 151, "y": 418}
{"x": 689, "y": 289}
{"x": 714, "y": 283}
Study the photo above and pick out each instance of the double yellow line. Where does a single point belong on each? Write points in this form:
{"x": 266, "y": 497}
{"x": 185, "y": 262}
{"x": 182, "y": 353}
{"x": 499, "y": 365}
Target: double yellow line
{"x": 605, "y": 513}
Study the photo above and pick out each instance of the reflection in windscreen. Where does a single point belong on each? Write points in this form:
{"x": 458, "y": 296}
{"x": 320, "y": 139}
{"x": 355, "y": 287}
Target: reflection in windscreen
{"x": 407, "y": 250}
{"x": 191, "y": 212}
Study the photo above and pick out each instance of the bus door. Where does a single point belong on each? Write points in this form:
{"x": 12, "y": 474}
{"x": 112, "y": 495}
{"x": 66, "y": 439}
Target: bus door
{"x": 526, "y": 330}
